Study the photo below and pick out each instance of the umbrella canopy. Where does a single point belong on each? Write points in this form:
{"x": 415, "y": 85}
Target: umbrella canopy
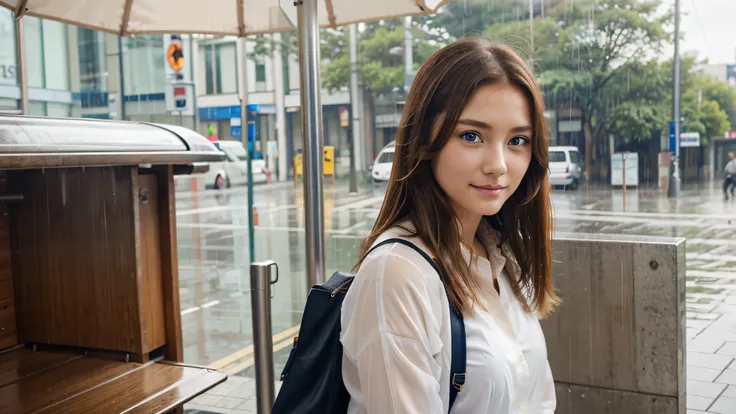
{"x": 238, "y": 18}
{"x": 220, "y": 17}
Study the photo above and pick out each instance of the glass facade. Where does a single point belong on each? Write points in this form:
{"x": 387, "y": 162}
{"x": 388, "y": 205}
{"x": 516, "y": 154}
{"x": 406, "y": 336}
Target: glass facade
{"x": 220, "y": 66}
{"x": 92, "y": 67}
{"x": 144, "y": 65}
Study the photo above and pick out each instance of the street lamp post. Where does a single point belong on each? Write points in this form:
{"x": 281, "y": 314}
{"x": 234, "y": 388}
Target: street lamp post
{"x": 674, "y": 188}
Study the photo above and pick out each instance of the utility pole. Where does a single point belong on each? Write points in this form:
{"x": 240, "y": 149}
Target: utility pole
{"x": 354, "y": 128}
{"x": 121, "y": 68}
{"x": 674, "y": 188}
{"x": 408, "y": 53}
{"x": 531, "y": 27}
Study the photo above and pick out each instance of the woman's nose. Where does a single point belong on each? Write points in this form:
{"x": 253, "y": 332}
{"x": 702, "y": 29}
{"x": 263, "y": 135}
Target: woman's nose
{"x": 494, "y": 160}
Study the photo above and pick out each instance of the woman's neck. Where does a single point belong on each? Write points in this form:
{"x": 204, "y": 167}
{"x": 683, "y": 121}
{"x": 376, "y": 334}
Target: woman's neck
{"x": 468, "y": 227}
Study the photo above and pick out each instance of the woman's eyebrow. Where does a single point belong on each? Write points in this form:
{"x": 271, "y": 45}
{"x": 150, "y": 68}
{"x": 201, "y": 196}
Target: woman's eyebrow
{"x": 481, "y": 124}
{"x": 474, "y": 122}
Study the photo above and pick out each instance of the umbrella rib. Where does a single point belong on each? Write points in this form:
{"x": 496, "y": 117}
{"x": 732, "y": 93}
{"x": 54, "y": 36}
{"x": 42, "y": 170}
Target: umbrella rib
{"x": 241, "y": 18}
{"x": 20, "y": 10}
{"x": 126, "y": 17}
{"x": 426, "y": 9}
{"x": 331, "y": 14}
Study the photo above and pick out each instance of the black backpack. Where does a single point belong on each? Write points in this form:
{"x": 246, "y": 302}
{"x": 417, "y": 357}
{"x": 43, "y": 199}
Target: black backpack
{"x": 312, "y": 376}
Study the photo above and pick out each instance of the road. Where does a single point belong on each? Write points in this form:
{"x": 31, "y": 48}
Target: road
{"x": 214, "y": 274}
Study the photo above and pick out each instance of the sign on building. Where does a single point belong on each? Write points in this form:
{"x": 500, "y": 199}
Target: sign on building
{"x": 689, "y": 139}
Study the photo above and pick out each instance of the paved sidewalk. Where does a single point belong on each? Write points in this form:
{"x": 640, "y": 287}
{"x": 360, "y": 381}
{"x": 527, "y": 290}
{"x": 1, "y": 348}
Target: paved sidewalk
{"x": 234, "y": 396}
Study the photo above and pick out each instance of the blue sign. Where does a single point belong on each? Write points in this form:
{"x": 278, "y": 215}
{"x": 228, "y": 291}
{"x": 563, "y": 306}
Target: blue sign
{"x": 236, "y": 131}
{"x": 673, "y": 138}
{"x": 225, "y": 112}
{"x": 251, "y": 131}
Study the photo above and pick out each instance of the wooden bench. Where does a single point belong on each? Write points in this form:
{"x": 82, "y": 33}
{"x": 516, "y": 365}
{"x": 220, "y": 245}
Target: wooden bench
{"x": 69, "y": 382}
{"x": 89, "y": 292}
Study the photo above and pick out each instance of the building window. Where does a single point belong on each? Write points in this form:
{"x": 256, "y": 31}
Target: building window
{"x": 8, "y": 69}
{"x": 92, "y": 65}
{"x": 34, "y": 52}
{"x": 144, "y": 65}
{"x": 260, "y": 76}
{"x": 209, "y": 69}
{"x": 220, "y": 62}
{"x": 56, "y": 55}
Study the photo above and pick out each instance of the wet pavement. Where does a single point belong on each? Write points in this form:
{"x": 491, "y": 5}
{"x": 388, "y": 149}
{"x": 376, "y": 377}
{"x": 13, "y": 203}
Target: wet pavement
{"x": 214, "y": 275}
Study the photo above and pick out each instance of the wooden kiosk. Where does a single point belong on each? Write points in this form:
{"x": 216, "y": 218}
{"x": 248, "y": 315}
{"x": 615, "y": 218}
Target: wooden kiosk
{"x": 89, "y": 292}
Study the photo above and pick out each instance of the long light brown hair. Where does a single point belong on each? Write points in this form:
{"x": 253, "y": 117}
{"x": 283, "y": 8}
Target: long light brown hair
{"x": 441, "y": 89}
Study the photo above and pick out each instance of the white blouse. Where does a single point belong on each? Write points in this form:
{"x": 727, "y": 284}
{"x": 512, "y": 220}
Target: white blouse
{"x": 396, "y": 340}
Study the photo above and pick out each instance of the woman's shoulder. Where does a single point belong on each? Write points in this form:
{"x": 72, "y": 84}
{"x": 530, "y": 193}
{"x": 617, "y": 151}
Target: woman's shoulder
{"x": 395, "y": 291}
{"x": 399, "y": 267}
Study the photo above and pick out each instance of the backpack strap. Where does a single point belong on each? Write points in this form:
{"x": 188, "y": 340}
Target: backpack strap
{"x": 457, "y": 327}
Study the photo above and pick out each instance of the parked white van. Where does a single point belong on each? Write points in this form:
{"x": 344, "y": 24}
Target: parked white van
{"x": 565, "y": 167}
{"x": 381, "y": 169}
{"x": 234, "y": 170}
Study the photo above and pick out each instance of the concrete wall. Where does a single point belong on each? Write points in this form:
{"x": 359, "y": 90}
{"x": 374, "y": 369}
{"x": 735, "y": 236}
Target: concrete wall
{"x": 617, "y": 344}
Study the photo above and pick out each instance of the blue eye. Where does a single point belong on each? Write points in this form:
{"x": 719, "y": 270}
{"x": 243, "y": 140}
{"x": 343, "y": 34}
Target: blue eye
{"x": 517, "y": 141}
{"x": 471, "y": 136}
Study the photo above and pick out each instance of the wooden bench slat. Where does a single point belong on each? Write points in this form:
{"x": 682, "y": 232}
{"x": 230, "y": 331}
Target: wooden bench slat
{"x": 42, "y": 389}
{"x": 18, "y": 363}
{"x": 181, "y": 393}
{"x": 155, "y": 388}
{"x": 51, "y": 382}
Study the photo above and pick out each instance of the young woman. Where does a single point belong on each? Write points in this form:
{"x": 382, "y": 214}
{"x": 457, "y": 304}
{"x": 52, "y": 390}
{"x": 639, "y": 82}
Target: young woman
{"x": 468, "y": 186}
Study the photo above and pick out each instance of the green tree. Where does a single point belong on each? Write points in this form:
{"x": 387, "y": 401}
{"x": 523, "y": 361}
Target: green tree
{"x": 639, "y": 101}
{"x": 472, "y": 17}
{"x": 720, "y": 92}
{"x": 581, "y": 49}
{"x": 380, "y": 68}
{"x": 714, "y": 120}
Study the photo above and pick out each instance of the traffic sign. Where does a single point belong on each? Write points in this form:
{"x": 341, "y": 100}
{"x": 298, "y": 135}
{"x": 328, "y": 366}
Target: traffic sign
{"x": 179, "y": 96}
{"x": 175, "y": 54}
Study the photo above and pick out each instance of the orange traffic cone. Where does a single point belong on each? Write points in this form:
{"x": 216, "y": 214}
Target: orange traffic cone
{"x": 255, "y": 216}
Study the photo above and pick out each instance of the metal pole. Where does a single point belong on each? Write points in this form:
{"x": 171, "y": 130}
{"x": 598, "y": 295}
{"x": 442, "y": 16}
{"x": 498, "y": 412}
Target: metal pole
{"x": 354, "y": 132}
{"x": 408, "y": 53}
{"x": 674, "y": 189}
{"x": 245, "y": 138}
{"x": 22, "y": 64}
{"x": 260, "y": 297}
{"x": 531, "y": 26}
{"x": 623, "y": 177}
{"x": 122, "y": 78}
{"x": 195, "y": 109}
{"x": 308, "y": 30}
{"x": 279, "y": 98}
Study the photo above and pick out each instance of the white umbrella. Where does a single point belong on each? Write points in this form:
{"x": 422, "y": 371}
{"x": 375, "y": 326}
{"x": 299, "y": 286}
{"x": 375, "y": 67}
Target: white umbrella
{"x": 239, "y": 18}
{"x": 225, "y": 17}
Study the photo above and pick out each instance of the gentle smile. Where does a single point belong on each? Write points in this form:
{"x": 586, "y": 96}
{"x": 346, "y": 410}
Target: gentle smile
{"x": 489, "y": 189}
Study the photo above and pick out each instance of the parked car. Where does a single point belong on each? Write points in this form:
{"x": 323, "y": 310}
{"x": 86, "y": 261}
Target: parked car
{"x": 381, "y": 168}
{"x": 565, "y": 167}
{"x": 234, "y": 171}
